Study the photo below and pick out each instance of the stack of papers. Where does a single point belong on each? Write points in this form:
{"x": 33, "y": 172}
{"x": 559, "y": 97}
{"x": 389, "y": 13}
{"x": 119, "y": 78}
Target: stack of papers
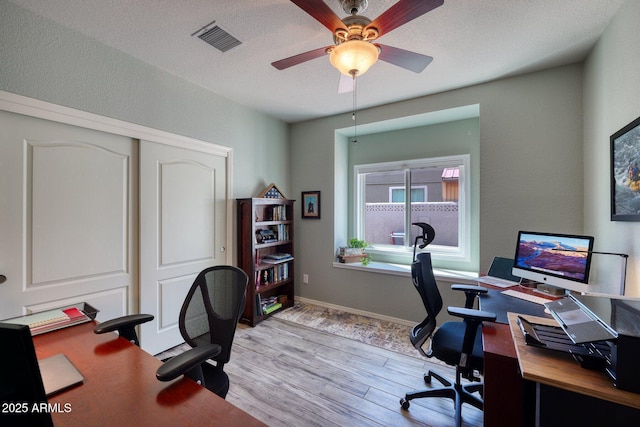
{"x": 50, "y": 320}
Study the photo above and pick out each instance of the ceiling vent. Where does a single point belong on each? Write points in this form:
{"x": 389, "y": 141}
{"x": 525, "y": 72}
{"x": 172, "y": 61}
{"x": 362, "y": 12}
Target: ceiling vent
{"x": 217, "y": 37}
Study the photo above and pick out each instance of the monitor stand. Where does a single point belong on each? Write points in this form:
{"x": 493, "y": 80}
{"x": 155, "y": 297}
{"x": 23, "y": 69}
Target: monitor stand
{"x": 529, "y": 284}
{"x": 543, "y": 288}
{"x": 550, "y": 290}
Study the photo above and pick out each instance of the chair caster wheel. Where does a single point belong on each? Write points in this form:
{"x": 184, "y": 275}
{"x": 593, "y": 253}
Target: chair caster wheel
{"x": 404, "y": 403}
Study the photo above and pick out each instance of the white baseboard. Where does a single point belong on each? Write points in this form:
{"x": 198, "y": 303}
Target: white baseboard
{"x": 356, "y": 311}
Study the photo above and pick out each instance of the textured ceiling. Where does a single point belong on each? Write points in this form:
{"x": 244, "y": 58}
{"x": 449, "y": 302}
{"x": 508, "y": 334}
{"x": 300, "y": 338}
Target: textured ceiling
{"x": 471, "y": 41}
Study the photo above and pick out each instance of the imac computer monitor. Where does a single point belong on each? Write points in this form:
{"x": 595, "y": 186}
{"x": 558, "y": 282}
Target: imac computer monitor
{"x": 21, "y": 389}
{"x": 560, "y": 260}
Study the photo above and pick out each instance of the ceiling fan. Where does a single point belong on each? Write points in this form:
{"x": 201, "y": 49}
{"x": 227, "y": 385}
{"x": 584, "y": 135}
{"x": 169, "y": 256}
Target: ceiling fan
{"x": 354, "y": 50}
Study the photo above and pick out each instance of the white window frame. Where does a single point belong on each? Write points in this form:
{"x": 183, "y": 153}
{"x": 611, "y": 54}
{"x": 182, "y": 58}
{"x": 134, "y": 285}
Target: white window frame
{"x": 462, "y": 252}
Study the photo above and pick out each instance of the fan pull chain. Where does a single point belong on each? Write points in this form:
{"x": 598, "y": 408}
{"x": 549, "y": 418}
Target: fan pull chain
{"x": 354, "y": 115}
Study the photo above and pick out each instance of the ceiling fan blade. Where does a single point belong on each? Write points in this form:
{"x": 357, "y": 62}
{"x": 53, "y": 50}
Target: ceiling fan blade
{"x": 300, "y": 58}
{"x": 401, "y": 13}
{"x": 346, "y": 84}
{"x": 406, "y": 59}
{"x": 321, "y": 12}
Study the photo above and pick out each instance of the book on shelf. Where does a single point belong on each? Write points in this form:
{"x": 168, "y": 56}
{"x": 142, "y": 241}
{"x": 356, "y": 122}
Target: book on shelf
{"x": 269, "y": 275}
{"x": 270, "y": 309}
{"x": 258, "y": 305}
{"x": 281, "y": 271}
{"x": 269, "y": 305}
{"x": 274, "y": 233}
{"x": 266, "y": 276}
{"x": 282, "y": 231}
{"x": 275, "y": 213}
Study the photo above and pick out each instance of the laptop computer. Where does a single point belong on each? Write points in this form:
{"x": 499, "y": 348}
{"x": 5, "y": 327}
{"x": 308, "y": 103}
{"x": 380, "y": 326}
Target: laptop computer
{"x": 58, "y": 373}
{"x": 500, "y": 273}
{"x": 578, "y": 322}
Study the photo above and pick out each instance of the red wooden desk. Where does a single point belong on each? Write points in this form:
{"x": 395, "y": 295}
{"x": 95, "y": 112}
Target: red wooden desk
{"x": 120, "y": 387}
{"x": 502, "y": 380}
{"x": 503, "y": 385}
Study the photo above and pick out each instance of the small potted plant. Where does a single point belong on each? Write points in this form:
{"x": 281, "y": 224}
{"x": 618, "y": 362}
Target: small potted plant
{"x": 355, "y": 252}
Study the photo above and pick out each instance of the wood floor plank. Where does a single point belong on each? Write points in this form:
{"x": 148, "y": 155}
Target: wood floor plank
{"x": 289, "y": 375}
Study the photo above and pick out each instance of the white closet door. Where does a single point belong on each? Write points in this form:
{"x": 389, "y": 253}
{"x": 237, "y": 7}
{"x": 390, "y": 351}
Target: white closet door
{"x": 182, "y": 231}
{"x": 67, "y": 208}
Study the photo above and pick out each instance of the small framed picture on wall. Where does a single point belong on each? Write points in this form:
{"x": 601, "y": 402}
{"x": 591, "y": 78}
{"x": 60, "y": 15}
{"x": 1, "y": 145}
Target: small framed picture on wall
{"x": 625, "y": 173}
{"x": 311, "y": 205}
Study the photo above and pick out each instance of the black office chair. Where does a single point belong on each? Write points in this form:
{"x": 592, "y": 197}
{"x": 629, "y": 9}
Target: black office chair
{"x": 207, "y": 322}
{"x": 456, "y": 343}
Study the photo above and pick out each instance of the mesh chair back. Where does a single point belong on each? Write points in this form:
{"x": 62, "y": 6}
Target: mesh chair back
{"x": 213, "y": 308}
{"x": 425, "y": 283}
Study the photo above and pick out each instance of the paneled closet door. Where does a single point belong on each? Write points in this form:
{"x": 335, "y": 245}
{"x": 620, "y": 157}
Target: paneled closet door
{"x": 68, "y": 204}
{"x": 182, "y": 231}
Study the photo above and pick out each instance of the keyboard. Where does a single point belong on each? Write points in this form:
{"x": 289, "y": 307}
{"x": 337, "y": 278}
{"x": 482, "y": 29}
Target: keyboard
{"x": 525, "y": 296}
{"x": 496, "y": 281}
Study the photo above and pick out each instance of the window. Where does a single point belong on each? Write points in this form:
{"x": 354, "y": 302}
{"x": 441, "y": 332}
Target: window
{"x": 439, "y": 196}
{"x": 418, "y": 194}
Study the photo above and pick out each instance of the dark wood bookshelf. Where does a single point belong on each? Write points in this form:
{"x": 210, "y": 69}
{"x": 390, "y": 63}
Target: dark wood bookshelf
{"x": 269, "y": 218}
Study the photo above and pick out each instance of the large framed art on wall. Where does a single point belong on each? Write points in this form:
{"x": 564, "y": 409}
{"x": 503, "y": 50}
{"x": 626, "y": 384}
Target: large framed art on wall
{"x": 625, "y": 173}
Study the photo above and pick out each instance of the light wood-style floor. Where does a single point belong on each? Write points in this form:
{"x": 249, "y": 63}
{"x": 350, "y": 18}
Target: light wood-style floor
{"x": 290, "y": 375}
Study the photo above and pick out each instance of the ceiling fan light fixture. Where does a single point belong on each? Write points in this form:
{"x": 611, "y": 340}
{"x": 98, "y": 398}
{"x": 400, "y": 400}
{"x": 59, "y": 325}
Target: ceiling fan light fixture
{"x": 354, "y": 57}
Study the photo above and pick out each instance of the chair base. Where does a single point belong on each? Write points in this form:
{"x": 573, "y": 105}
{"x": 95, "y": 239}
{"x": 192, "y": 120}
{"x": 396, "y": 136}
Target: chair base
{"x": 457, "y": 392}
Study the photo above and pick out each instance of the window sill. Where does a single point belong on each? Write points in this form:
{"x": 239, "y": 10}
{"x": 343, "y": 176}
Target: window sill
{"x": 465, "y": 277}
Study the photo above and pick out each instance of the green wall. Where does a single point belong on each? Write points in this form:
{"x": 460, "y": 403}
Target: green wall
{"x": 611, "y": 101}
{"x": 530, "y": 177}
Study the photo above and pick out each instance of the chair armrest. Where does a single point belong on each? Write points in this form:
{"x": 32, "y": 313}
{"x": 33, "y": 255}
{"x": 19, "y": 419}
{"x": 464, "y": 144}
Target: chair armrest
{"x": 120, "y": 322}
{"x": 473, "y": 320}
{"x": 471, "y": 292}
{"x": 185, "y": 362}
{"x": 125, "y": 326}
{"x": 471, "y": 314}
{"x": 469, "y": 288}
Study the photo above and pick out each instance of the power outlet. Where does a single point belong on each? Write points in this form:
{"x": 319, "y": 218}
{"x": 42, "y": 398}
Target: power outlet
{"x": 305, "y": 278}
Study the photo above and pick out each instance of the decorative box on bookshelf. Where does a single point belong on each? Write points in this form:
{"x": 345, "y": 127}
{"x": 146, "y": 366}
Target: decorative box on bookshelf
{"x": 266, "y": 254}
